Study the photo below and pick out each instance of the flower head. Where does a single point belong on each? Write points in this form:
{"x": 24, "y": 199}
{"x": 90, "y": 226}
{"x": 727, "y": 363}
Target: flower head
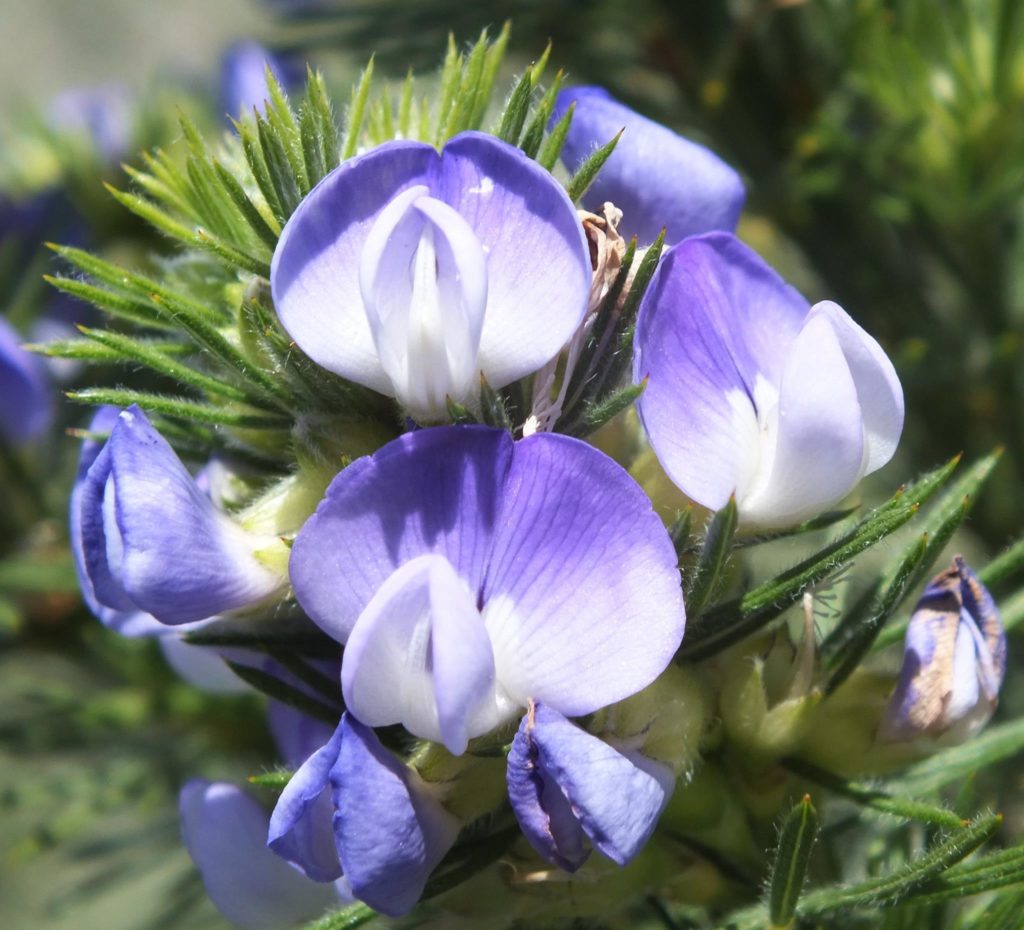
{"x": 751, "y": 391}
{"x": 412, "y": 272}
{"x": 447, "y": 563}
{"x": 147, "y": 541}
{"x": 657, "y": 178}
{"x": 954, "y": 660}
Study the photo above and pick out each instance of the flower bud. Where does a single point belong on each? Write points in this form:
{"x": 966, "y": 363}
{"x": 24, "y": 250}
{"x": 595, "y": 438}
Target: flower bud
{"x": 954, "y": 660}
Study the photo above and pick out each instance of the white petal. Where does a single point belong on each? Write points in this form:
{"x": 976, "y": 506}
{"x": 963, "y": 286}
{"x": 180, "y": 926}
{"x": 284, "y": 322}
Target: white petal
{"x": 419, "y": 655}
{"x": 878, "y": 387}
{"x": 813, "y": 448}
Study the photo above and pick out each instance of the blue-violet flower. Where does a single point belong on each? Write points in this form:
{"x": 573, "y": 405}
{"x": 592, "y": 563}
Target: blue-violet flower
{"x": 412, "y": 272}
{"x": 753, "y": 392}
{"x": 657, "y": 178}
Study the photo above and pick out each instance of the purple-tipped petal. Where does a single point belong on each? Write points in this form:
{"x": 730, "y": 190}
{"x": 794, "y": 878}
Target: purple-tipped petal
{"x": 582, "y": 599}
{"x": 419, "y": 655}
{"x": 657, "y": 178}
{"x": 225, "y": 832}
{"x": 557, "y": 771}
{"x": 390, "y": 832}
{"x": 152, "y": 541}
{"x": 26, "y": 407}
{"x": 300, "y": 826}
{"x": 500, "y": 284}
{"x": 954, "y": 661}
{"x": 751, "y": 392}
{"x": 431, "y": 491}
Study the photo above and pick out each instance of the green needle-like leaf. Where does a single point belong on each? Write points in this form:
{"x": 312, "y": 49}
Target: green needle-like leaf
{"x": 952, "y": 765}
{"x": 355, "y": 915}
{"x": 534, "y": 135}
{"x": 587, "y": 173}
{"x": 1005, "y": 565}
{"x": 274, "y": 687}
{"x": 714, "y": 556}
{"x": 880, "y": 892}
{"x": 789, "y": 870}
{"x": 873, "y": 798}
{"x": 356, "y": 112}
{"x": 727, "y": 623}
{"x": 179, "y": 407}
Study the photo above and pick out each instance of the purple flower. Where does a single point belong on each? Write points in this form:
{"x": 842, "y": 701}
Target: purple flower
{"x": 954, "y": 660}
{"x": 148, "y": 541}
{"x": 753, "y": 392}
{"x": 411, "y": 271}
{"x": 447, "y": 562}
{"x": 469, "y": 577}
{"x": 27, "y": 405}
{"x": 243, "y": 77}
{"x": 390, "y": 832}
{"x": 657, "y": 179}
{"x": 566, "y": 785}
{"x": 225, "y": 832}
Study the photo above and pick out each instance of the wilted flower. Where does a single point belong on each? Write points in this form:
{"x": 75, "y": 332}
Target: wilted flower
{"x": 148, "y": 541}
{"x": 751, "y": 391}
{"x": 657, "y": 178}
{"x": 27, "y": 397}
{"x": 954, "y": 660}
{"x": 411, "y": 272}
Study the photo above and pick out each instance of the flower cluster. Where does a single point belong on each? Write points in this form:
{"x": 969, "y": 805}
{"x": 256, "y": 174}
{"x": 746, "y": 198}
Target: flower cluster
{"x": 505, "y": 600}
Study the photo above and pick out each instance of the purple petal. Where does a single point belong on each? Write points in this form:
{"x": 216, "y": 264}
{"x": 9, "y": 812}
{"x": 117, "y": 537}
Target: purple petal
{"x": 431, "y": 491}
{"x": 300, "y": 826}
{"x": 557, "y": 771}
{"x": 315, "y": 270}
{"x": 658, "y": 179}
{"x": 225, "y": 830}
{"x": 390, "y": 832}
{"x": 537, "y": 262}
{"x": 713, "y": 334}
{"x": 152, "y": 541}
{"x": 419, "y": 655}
{"x": 130, "y": 622}
{"x": 582, "y": 599}
{"x": 27, "y": 406}
{"x": 544, "y": 813}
